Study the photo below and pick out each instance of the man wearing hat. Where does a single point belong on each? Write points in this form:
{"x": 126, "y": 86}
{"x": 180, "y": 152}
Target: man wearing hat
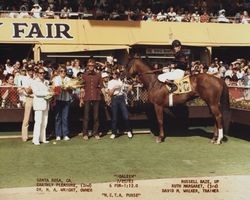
{"x": 181, "y": 65}
{"x": 36, "y": 11}
{"x": 222, "y": 18}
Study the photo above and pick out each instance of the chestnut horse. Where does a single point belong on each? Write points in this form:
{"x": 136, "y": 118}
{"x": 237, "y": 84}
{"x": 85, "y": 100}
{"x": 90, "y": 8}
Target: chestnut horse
{"x": 211, "y": 89}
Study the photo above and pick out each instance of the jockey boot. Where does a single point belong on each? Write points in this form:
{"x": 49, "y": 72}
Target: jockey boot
{"x": 172, "y": 86}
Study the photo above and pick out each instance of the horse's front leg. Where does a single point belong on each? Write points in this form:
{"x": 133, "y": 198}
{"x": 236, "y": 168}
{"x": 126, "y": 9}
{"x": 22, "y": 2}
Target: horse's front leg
{"x": 159, "y": 115}
{"x": 218, "y": 132}
{"x": 215, "y": 136}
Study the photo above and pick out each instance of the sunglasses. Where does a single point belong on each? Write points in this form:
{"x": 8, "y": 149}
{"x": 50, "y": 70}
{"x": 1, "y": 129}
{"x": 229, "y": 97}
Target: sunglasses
{"x": 41, "y": 72}
{"x": 62, "y": 71}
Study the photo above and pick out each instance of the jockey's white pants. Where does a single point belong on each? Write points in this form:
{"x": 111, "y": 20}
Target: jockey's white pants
{"x": 173, "y": 75}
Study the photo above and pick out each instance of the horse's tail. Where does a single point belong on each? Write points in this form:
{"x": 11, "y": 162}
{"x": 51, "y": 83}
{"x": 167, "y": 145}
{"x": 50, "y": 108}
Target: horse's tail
{"x": 225, "y": 108}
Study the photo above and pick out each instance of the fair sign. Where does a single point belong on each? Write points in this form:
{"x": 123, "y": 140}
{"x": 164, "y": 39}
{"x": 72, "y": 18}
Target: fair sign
{"x": 34, "y": 31}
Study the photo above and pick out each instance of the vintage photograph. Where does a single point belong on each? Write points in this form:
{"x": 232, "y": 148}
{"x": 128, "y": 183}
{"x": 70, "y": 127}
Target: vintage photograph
{"x": 124, "y": 100}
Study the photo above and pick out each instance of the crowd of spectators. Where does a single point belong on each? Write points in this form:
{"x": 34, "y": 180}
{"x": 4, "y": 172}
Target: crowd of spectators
{"x": 148, "y": 10}
{"x": 13, "y": 70}
{"x": 12, "y": 74}
{"x": 236, "y": 73}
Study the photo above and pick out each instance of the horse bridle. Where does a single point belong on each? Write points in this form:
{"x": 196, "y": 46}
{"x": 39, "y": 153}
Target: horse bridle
{"x": 144, "y": 73}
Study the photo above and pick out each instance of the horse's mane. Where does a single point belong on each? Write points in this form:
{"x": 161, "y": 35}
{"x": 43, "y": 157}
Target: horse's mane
{"x": 147, "y": 69}
{"x": 132, "y": 61}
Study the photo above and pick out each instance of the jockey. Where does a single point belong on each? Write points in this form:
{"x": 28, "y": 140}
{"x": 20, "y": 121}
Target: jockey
{"x": 181, "y": 63}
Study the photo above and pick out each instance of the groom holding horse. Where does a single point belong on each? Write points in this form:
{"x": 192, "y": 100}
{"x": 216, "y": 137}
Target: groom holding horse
{"x": 181, "y": 66}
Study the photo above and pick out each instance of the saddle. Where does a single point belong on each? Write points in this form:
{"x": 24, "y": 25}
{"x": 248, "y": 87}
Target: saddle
{"x": 183, "y": 85}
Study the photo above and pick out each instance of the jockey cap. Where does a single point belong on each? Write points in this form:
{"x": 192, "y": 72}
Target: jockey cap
{"x": 176, "y": 43}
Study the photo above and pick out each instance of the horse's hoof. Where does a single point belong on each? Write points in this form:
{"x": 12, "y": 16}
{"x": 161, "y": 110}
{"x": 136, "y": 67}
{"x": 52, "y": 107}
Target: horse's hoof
{"x": 218, "y": 142}
{"x": 158, "y": 140}
{"x": 213, "y": 141}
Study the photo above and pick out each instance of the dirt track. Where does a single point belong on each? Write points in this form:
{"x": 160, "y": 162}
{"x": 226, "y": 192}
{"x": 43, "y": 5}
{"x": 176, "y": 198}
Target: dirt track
{"x": 224, "y": 187}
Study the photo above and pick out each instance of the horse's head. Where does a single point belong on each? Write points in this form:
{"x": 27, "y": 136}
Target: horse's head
{"x": 137, "y": 69}
{"x": 131, "y": 71}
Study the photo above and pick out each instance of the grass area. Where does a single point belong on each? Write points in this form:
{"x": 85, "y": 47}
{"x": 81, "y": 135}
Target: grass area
{"x": 98, "y": 161}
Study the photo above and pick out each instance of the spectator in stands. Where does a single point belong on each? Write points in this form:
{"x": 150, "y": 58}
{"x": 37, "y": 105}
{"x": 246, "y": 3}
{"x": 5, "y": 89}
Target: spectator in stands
{"x": 198, "y": 67}
{"x": 64, "y": 13}
{"x": 171, "y": 14}
{"x": 234, "y": 75}
{"x": 132, "y": 15}
{"x": 245, "y": 18}
{"x": 23, "y": 13}
{"x": 179, "y": 16}
{"x": 116, "y": 91}
{"x": 222, "y": 17}
{"x": 49, "y": 13}
{"x": 229, "y": 71}
{"x": 36, "y": 11}
{"x": 213, "y": 69}
{"x": 92, "y": 85}
{"x": 246, "y": 77}
{"x": 114, "y": 15}
{"x": 41, "y": 106}
{"x": 63, "y": 99}
{"x": 228, "y": 80}
{"x": 24, "y": 63}
{"x": 76, "y": 68}
{"x": 237, "y": 18}
{"x": 240, "y": 72}
{"x": 204, "y": 18}
{"x": 17, "y": 65}
{"x": 148, "y": 15}
{"x": 25, "y": 89}
{"x": 239, "y": 82}
{"x": 186, "y": 17}
{"x": 195, "y": 16}
{"x": 161, "y": 16}
{"x": 221, "y": 69}
{"x": 16, "y": 73}
{"x": 8, "y": 67}
{"x": 9, "y": 80}
{"x": 9, "y": 94}
{"x": 102, "y": 9}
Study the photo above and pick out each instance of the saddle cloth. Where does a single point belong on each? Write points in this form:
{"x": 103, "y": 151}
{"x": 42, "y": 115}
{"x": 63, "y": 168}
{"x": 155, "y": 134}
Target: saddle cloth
{"x": 183, "y": 85}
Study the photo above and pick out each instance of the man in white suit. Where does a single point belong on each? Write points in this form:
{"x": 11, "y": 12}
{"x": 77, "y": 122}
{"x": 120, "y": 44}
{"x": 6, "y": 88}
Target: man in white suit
{"x": 40, "y": 90}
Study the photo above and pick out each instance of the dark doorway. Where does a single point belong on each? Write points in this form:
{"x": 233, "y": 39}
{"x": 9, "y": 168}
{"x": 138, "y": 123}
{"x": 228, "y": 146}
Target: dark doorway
{"x": 229, "y": 54}
{"x": 15, "y": 52}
